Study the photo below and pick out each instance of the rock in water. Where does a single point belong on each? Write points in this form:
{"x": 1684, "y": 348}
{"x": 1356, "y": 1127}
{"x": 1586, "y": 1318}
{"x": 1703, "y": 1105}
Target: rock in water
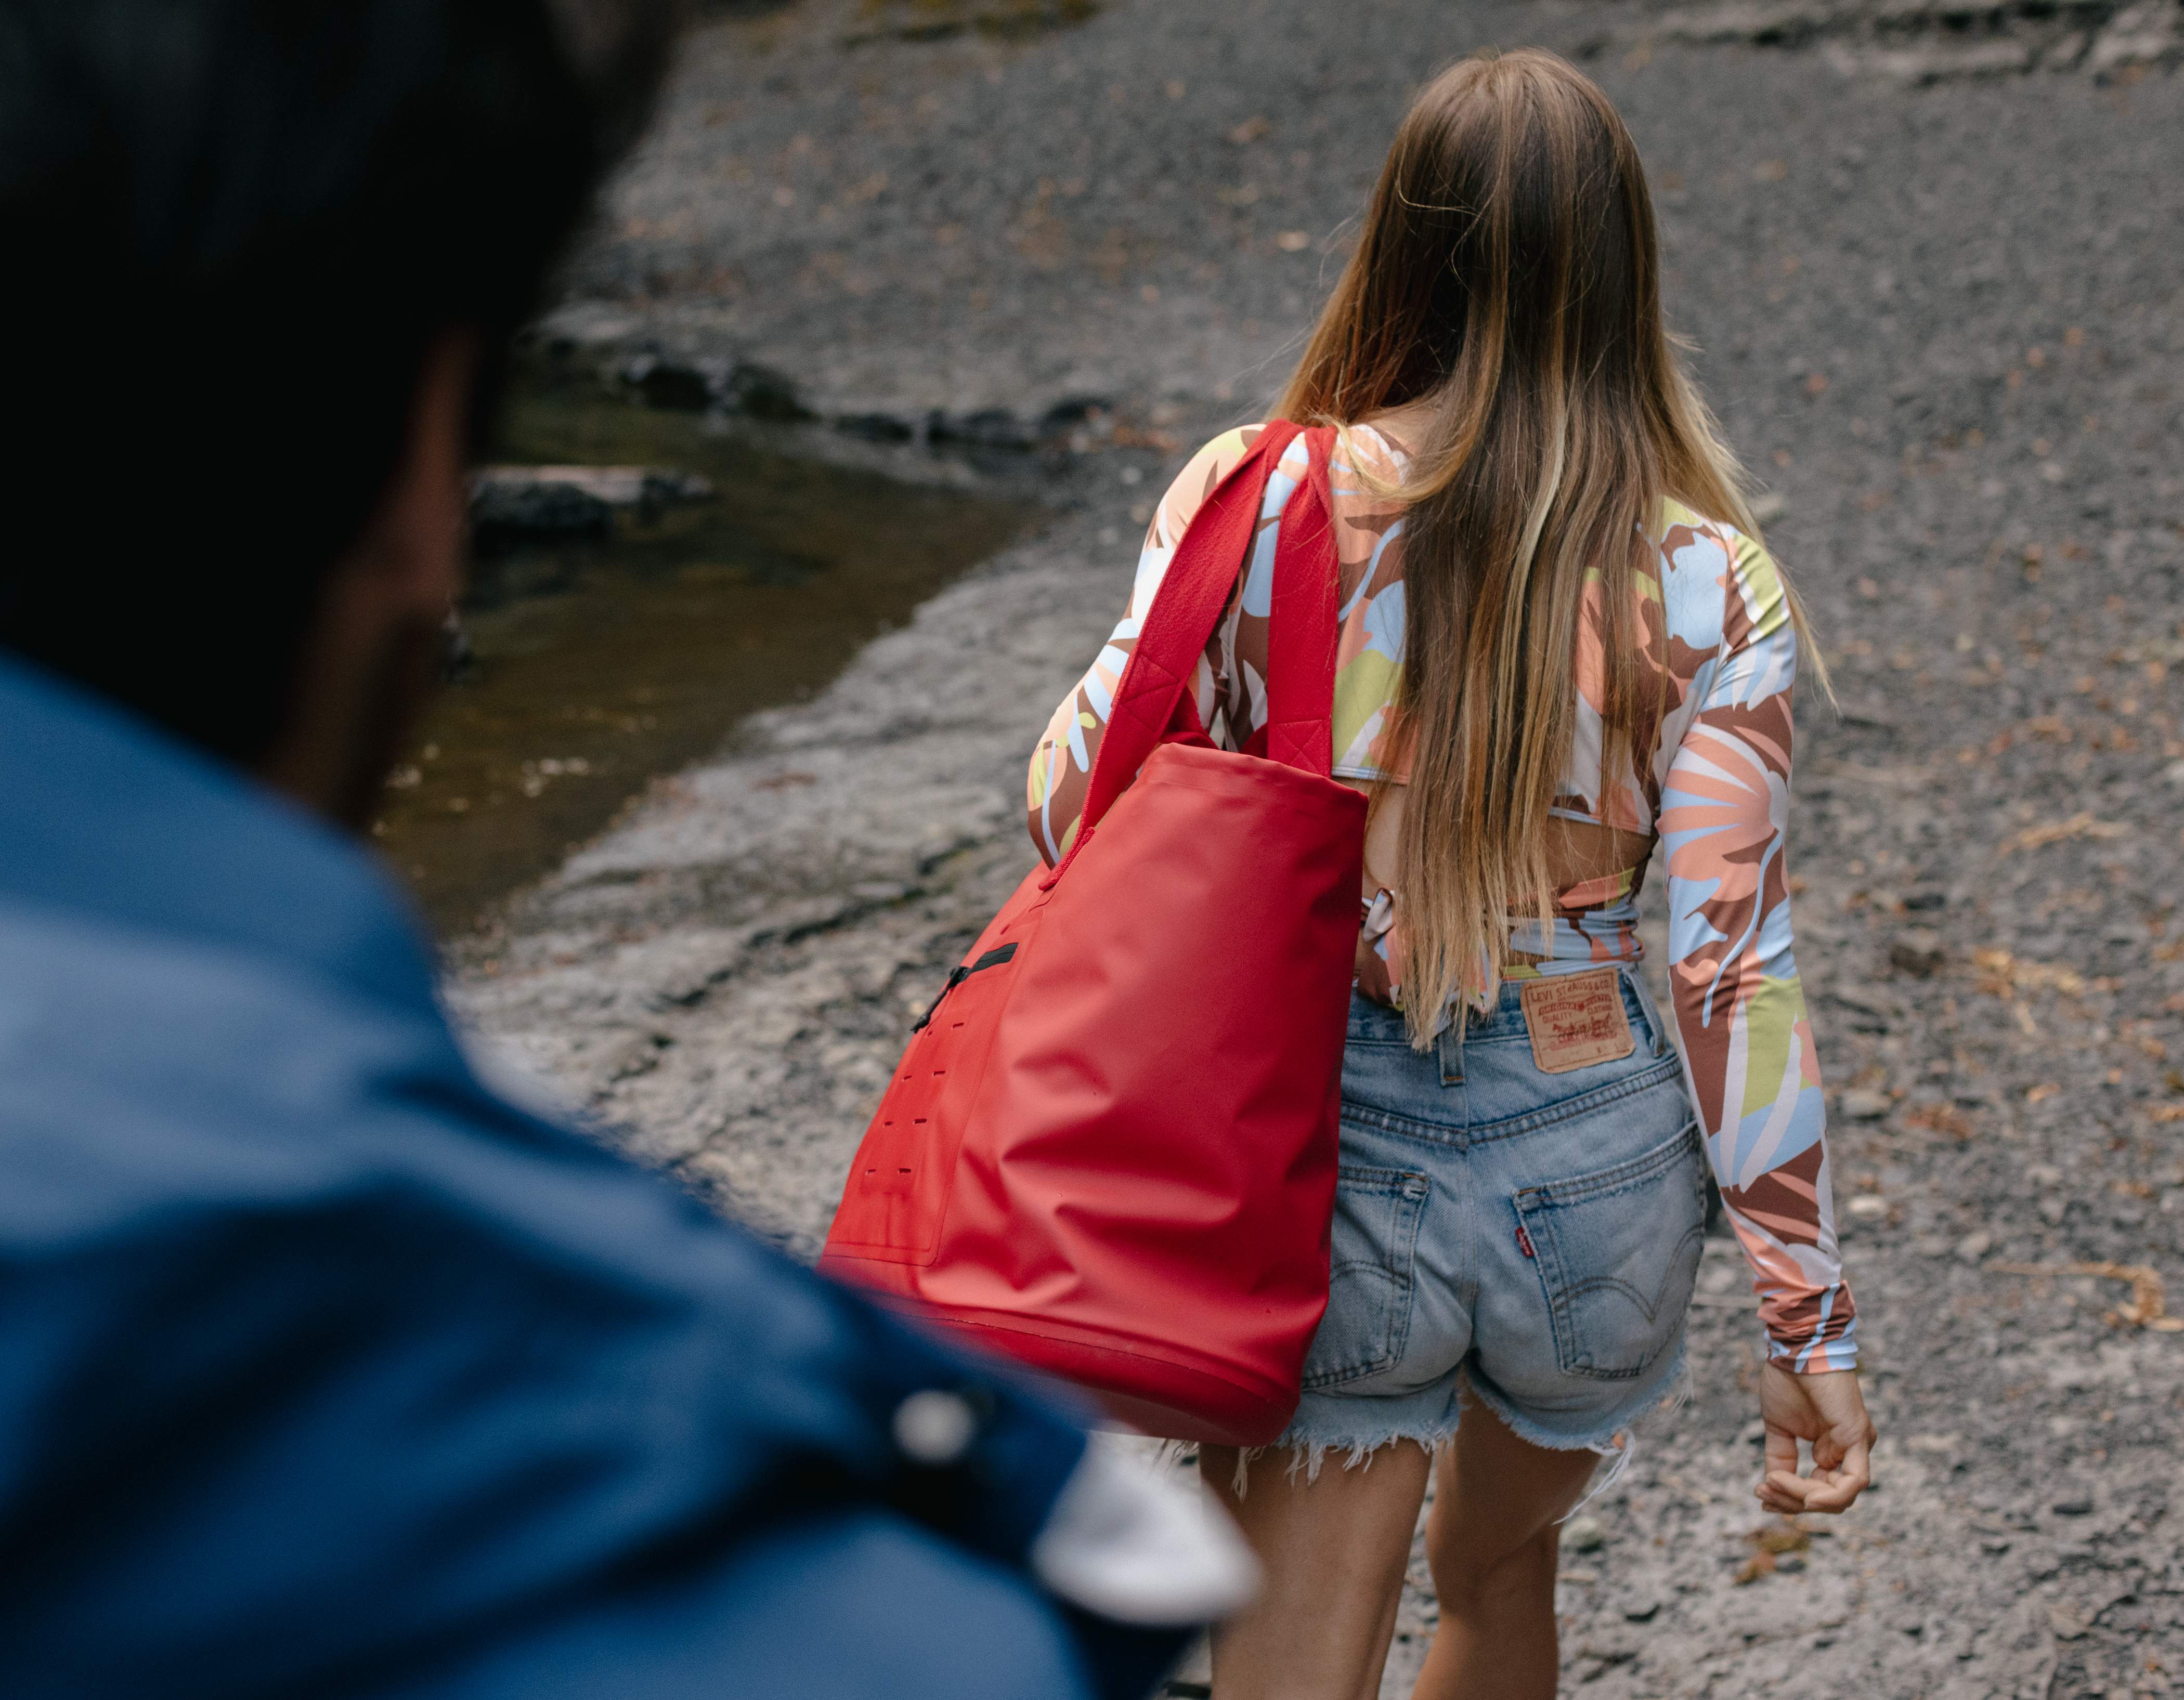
{"x": 513, "y": 505}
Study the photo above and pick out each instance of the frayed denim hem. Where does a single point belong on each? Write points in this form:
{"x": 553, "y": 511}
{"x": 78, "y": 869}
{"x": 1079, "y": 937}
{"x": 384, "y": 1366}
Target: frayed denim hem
{"x": 1613, "y": 1437}
{"x": 1309, "y": 1458}
{"x": 1430, "y": 1420}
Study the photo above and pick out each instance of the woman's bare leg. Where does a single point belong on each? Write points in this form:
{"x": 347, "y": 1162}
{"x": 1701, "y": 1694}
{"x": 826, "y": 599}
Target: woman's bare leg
{"x": 1492, "y": 1539}
{"x": 1334, "y": 1551}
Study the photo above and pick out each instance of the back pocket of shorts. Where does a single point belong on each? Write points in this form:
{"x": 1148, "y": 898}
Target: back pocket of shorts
{"x": 1374, "y": 1254}
{"x": 1617, "y": 1252}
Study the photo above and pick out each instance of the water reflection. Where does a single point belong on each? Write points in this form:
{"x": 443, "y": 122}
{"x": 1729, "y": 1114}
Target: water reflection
{"x": 600, "y": 662}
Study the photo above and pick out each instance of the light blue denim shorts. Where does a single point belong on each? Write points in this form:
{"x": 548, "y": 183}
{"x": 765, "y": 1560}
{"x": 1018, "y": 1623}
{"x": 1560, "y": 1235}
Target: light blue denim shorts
{"x": 1531, "y": 1237}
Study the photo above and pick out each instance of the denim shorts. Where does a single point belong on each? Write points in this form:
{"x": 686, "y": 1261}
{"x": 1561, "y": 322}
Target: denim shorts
{"x": 1532, "y": 1237}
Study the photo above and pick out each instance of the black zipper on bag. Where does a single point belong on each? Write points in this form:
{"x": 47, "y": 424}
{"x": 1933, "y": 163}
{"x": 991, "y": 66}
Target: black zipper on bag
{"x": 992, "y": 958}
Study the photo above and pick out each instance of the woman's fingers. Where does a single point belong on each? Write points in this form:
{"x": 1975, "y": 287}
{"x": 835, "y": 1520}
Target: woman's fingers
{"x": 1781, "y": 1451}
{"x": 1826, "y": 1490}
{"x": 1781, "y": 1494}
{"x": 1827, "y": 1410}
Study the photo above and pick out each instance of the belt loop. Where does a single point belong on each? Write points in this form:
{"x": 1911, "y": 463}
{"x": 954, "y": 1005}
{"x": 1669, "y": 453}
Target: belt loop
{"x": 1449, "y": 1043}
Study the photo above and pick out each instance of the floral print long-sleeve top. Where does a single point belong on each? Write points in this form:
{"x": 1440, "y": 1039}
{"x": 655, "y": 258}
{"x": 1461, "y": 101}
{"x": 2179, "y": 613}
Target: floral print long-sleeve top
{"x": 1715, "y": 794}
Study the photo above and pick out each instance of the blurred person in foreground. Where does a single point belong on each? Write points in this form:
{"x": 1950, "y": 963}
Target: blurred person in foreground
{"x": 327, "y": 1368}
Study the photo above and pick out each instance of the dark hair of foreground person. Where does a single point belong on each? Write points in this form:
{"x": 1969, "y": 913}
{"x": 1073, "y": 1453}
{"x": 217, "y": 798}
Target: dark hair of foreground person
{"x": 237, "y": 230}
{"x": 330, "y": 1369}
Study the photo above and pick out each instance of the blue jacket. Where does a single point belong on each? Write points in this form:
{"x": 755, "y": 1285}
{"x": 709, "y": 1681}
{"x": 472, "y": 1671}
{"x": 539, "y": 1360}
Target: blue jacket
{"x": 325, "y": 1371}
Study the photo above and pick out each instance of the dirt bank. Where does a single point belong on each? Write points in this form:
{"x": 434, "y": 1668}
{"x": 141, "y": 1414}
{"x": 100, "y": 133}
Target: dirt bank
{"x": 1942, "y": 318}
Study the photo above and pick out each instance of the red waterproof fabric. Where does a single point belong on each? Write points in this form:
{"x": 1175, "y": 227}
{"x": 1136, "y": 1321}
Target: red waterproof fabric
{"x": 1111, "y": 1151}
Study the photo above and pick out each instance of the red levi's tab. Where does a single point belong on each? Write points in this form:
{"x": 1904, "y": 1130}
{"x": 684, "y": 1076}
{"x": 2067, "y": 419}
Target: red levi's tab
{"x": 1111, "y": 1153}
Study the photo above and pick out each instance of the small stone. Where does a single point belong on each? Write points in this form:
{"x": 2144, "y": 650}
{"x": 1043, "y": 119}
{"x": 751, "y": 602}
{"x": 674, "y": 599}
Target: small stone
{"x": 1789, "y": 1565}
{"x": 1768, "y": 508}
{"x": 2078, "y": 1505}
{"x": 1918, "y": 951}
{"x": 1869, "y": 1207}
{"x": 1584, "y": 1535}
{"x": 1974, "y": 1245}
{"x": 1642, "y": 1608}
{"x": 1864, "y": 1103}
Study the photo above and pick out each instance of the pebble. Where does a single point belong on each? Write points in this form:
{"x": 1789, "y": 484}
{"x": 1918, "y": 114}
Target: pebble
{"x": 2079, "y": 1505}
{"x": 1864, "y": 1103}
{"x": 1974, "y": 1245}
{"x": 1918, "y": 951}
{"x": 1869, "y": 1207}
{"x": 1584, "y": 1535}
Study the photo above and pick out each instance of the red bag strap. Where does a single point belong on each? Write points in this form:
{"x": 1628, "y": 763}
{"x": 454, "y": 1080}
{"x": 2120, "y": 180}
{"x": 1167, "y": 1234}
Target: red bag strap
{"x": 1301, "y": 624}
{"x": 1196, "y": 587}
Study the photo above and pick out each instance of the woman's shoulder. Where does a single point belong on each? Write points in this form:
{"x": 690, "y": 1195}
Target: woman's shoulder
{"x": 1717, "y": 583}
{"x": 1360, "y": 448}
{"x": 1200, "y": 476}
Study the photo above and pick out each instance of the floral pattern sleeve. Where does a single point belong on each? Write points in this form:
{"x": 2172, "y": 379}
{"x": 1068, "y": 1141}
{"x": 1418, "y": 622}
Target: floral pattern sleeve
{"x": 1740, "y": 1008}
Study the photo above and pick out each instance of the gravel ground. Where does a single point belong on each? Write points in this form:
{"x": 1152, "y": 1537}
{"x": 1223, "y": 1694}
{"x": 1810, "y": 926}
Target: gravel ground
{"x": 1939, "y": 313}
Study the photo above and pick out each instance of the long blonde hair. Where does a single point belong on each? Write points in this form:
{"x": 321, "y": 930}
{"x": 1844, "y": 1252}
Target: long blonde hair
{"x": 1507, "y": 273}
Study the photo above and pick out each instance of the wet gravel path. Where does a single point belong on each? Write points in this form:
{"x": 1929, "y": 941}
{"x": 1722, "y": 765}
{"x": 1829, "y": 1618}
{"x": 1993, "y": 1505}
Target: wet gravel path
{"x": 1943, "y": 322}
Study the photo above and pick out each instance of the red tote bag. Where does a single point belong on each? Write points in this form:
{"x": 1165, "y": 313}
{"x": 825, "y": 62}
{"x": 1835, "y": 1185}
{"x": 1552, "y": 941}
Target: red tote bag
{"x": 1109, "y": 1151}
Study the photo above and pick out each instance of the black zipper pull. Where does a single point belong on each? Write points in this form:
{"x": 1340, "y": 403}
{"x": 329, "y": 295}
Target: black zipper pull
{"x": 956, "y": 978}
{"x": 992, "y": 958}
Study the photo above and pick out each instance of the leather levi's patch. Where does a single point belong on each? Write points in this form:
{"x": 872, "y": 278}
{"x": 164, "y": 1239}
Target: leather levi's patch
{"x": 1576, "y": 1020}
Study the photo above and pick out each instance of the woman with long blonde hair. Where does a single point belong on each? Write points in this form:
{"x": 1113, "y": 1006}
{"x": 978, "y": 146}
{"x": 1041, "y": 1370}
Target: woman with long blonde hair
{"x": 1562, "y": 644}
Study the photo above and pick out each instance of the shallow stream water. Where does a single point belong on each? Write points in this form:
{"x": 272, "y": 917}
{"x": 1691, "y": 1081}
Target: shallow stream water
{"x": 598, "y": 664}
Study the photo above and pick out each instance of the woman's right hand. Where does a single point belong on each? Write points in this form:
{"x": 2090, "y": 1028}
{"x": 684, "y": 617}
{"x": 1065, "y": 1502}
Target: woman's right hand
{"x": 1828, "y": 1410}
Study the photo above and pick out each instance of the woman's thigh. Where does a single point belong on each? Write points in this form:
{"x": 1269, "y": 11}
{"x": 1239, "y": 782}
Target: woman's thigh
{"x": 1335, "y": 1544}
{"x": 1497, "y": 1494}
